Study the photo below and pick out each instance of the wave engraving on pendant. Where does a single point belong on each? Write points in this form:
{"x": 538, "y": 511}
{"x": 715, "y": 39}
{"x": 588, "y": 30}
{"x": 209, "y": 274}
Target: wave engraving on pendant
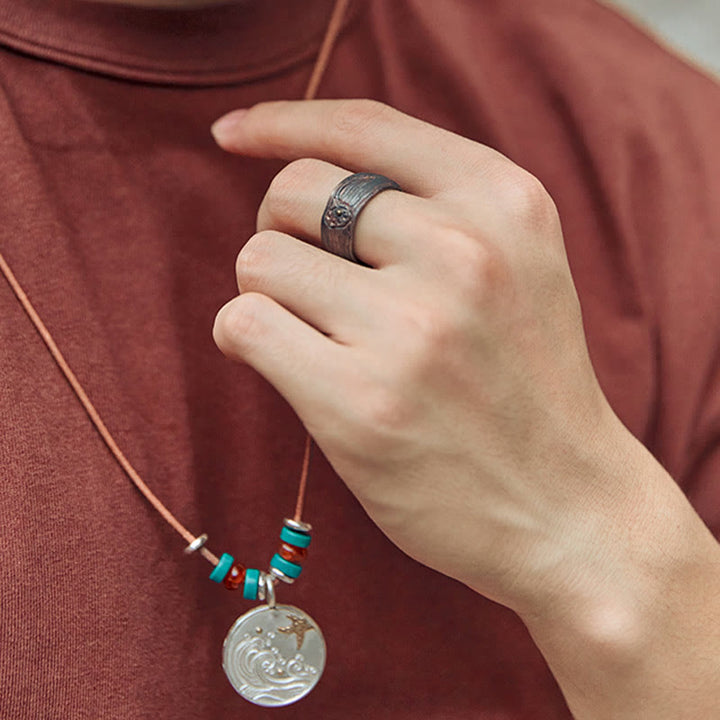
{"x": 260, "y": 673}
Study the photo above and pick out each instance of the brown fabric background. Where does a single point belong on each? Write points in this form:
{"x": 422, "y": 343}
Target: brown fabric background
{"x": 122, "y": 220}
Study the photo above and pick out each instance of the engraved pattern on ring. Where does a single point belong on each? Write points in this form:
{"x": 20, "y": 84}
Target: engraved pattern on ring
{"x": 338, "y": 215}
{"x": 343, "y": 207}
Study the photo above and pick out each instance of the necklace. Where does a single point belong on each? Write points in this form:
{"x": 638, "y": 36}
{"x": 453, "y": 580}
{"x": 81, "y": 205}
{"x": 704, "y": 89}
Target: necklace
{"x": 273, "y": 655}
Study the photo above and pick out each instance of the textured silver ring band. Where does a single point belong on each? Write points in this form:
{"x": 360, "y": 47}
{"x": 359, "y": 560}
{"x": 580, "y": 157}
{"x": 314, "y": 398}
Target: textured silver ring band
{"x": 337, "y": 231}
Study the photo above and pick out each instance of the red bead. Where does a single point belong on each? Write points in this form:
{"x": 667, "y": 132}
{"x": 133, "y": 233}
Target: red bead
{"x": 235, "y": 577}
{"x": 292, "y": 553}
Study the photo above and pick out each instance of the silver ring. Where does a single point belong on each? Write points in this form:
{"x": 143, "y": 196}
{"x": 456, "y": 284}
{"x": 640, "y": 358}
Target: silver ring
{"x": 297, "y": 525}
{"x": 351, "y": 195}
{"x": 196, "y": 544}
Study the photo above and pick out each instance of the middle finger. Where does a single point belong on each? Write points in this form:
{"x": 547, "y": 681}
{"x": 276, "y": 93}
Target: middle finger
{"x": 340, "y": 299}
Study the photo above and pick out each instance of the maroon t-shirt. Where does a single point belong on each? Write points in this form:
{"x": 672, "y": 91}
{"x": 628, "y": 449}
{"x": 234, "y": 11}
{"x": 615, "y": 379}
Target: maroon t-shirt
{"x": 122, "y": 219}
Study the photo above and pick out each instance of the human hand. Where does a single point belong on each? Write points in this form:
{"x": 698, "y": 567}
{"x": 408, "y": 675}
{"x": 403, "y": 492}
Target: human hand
{"x": 448, "y": 383}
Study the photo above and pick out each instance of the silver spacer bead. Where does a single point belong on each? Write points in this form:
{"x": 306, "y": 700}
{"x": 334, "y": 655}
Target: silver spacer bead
{"x": 196, "y": 544}
{"x": 295, "y": 525}
{"x": 280, "y": 575}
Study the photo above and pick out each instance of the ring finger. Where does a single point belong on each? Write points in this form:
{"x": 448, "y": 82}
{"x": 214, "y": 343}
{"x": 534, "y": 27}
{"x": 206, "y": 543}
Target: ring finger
{"x": 389, "y": 230}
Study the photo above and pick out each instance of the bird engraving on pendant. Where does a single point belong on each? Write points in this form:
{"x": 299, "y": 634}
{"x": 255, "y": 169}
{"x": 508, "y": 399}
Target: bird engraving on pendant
{"x": 298, "y": 627}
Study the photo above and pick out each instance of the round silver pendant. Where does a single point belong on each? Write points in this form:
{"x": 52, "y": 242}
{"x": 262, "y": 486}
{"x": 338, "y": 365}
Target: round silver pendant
{"x": 274, "y": 656}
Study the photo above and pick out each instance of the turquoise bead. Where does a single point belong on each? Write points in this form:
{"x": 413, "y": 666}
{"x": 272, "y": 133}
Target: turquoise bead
{"x": 292, "y": 537}
{"x": 222, "y": 568}
{"x": 252, "y": 580}
{"x": 290, "y": 569}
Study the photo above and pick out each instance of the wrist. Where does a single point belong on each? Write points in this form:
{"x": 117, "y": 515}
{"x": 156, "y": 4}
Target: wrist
{"x": 637, "y": 612}
{"x": 619, "y": 526}
{"x": 605, "y": 513}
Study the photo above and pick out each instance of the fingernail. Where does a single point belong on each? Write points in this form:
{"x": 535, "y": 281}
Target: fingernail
{"x": 223, "y": 128}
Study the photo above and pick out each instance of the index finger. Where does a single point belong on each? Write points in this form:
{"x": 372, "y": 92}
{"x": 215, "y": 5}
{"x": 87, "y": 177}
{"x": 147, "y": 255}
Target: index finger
{"x": 360, "y": 135}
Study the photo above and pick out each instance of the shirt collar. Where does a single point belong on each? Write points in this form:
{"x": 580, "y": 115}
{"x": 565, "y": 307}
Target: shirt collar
{"x": 227, "y": 44}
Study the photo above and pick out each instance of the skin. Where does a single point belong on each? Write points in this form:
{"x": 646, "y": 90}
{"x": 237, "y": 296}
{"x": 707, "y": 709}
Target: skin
{"x": 450, "y": 386}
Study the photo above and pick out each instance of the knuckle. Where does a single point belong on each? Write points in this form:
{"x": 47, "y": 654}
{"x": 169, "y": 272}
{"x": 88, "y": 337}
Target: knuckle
{"x": 430, "y": 337}
{"x": 486, "y": 273}
{"x": 253, "y": 259}
{"x": 526, "y": 199}
{"x": 297, "y": 172}
{"x": 429, "y": 331}
{"x": 438, "y": 340}
{"x": 352, "y": 119}
{"x": 239, "y": 324}
{"x": 381, "y": 412}
{"x": 479, "y": 268}
{"x": 293, "y": 177}
{"x": 384, "y": 414}
{"x": 246, "y": 318}
{"x": 281, "y": 199}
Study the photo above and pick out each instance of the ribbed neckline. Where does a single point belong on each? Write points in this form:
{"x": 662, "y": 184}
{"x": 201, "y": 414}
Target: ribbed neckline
{"x": 228, "y": 44}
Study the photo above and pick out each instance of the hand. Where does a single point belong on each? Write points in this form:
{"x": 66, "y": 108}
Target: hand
{"x": 448, "y": 383}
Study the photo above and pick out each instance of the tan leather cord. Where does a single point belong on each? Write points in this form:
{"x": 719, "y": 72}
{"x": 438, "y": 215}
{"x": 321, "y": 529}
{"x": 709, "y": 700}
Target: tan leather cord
{"x": 303, "y": 480}
{"x": 331, "y": 34}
